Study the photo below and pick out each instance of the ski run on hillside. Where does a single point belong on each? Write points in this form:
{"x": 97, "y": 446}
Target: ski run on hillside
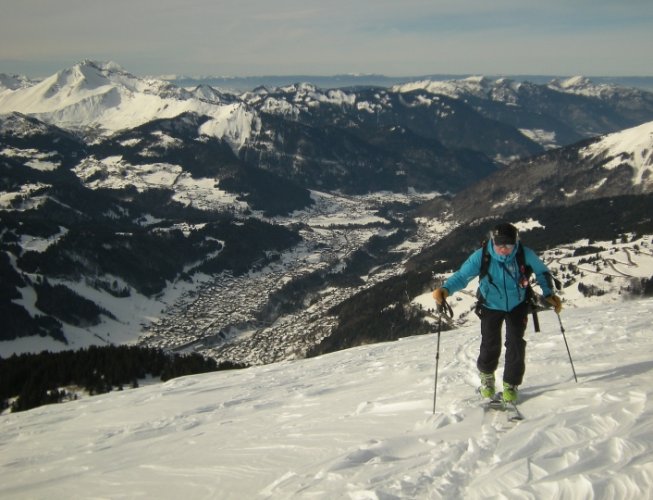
{"x": 359, "y": 424}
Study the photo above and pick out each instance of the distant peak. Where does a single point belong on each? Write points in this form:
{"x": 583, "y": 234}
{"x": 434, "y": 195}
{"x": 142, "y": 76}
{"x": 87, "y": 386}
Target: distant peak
{"x": 477, "y": 79}
{"x": 299, "y": 87}
{"x": 575, "y": 81}
{"x": 582, "y": 85}
{"x": 14, "y": 82}
{"x": 101, "y": 65}
{"x": 93, "y": 70}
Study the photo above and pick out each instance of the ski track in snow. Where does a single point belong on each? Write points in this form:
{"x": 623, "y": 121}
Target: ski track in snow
{"x": 358, "y": 424}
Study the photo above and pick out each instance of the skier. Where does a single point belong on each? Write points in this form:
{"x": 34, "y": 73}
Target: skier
{"x": 503, "y": 265}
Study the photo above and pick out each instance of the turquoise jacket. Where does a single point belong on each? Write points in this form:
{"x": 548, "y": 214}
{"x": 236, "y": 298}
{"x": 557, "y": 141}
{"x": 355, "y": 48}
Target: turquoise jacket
{"x": 503, "y": 292}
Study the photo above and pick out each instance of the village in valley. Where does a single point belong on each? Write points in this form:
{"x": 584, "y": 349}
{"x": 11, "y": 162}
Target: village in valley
{"x": 232, "y": 318}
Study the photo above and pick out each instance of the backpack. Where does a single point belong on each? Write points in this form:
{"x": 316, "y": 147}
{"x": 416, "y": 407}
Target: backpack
{"x": 525, "y": 272}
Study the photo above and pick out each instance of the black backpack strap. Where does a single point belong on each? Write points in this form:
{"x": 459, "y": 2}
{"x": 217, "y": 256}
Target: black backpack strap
{"x": 485, "y": 263}
{"x": 482, "y": 273}
{"x": 525, "y": 272}
{"x": 521, "y": 260}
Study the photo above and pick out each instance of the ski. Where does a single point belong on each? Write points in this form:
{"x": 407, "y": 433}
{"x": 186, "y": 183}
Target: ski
{"x": 497, "y": 403}
{"x": 493, "y": 404}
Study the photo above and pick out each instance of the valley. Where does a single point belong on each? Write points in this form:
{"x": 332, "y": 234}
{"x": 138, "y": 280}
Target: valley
{"x": 242, "y": 318}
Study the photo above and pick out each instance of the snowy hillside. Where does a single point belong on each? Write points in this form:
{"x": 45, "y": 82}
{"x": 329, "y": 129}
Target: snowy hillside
{"x": 358, "y": 424}
{"x": 611, "y": 165}
{"x": 632, "y": 147}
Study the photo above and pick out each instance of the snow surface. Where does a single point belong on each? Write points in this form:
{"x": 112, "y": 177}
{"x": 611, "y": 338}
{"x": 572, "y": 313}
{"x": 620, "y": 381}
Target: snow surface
{"x": 359, "y": 424}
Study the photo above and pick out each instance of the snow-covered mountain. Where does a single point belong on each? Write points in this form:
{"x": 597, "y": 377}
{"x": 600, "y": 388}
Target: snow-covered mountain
{"x": 132, "y": 209}
{"x": 360, "y": 424}
{"x": 104, "y": 98}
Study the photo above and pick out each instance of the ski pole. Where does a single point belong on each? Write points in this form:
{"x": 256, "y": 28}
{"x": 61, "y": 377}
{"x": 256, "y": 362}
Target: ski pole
{"x": 437, "y": 362}
{"x": 536, "y": 321}
{"x": 562, "y": 330}
{"x": 442, "y": 309}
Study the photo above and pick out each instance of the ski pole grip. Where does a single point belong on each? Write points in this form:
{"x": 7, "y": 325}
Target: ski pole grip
{"x": 445, "y": 309}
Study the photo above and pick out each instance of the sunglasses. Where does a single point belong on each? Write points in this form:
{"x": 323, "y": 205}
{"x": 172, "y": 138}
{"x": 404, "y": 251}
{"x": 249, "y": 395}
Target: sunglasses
{"x": 506, "y": 247}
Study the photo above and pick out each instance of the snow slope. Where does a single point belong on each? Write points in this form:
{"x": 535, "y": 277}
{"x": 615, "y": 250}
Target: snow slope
{"x": 358, "y": 424}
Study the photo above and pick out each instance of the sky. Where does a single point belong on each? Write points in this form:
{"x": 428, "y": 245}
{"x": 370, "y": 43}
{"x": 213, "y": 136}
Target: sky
{"x": 314, "y": 37}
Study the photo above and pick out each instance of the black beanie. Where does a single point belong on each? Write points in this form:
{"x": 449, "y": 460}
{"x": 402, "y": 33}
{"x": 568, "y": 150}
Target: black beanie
{"x": 504, "y": 234}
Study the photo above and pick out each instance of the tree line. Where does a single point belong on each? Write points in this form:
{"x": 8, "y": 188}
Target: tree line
{"x": 31, "y": 380}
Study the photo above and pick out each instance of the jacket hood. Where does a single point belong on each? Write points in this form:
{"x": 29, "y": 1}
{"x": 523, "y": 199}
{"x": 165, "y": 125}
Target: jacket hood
{"x": 502, "y": 258}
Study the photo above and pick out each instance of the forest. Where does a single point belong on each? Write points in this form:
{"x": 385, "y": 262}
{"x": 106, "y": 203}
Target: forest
{"x": 31, "y": 380}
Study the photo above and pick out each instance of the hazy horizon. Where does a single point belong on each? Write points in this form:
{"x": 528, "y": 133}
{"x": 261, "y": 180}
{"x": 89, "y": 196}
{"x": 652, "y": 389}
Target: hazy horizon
{"x": 292, "y": 37}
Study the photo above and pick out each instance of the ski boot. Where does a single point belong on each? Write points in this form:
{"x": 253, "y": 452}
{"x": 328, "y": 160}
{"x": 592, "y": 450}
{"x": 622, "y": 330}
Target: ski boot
{"x": 487, "y": 385}
{"x": 509, "y": 393}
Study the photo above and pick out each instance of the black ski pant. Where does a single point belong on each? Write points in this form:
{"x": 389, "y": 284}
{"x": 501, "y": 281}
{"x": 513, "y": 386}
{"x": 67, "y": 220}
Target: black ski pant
{"x": 488, "y": 359}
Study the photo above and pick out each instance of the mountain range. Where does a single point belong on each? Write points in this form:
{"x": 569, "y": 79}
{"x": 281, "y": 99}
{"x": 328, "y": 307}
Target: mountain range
{"x": 126, "y": 202}
{"x": 349, "y": 80}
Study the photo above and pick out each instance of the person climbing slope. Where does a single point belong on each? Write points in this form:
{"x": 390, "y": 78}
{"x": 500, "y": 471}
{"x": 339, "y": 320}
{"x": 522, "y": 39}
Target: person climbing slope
{"x": 503, "y": 266}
